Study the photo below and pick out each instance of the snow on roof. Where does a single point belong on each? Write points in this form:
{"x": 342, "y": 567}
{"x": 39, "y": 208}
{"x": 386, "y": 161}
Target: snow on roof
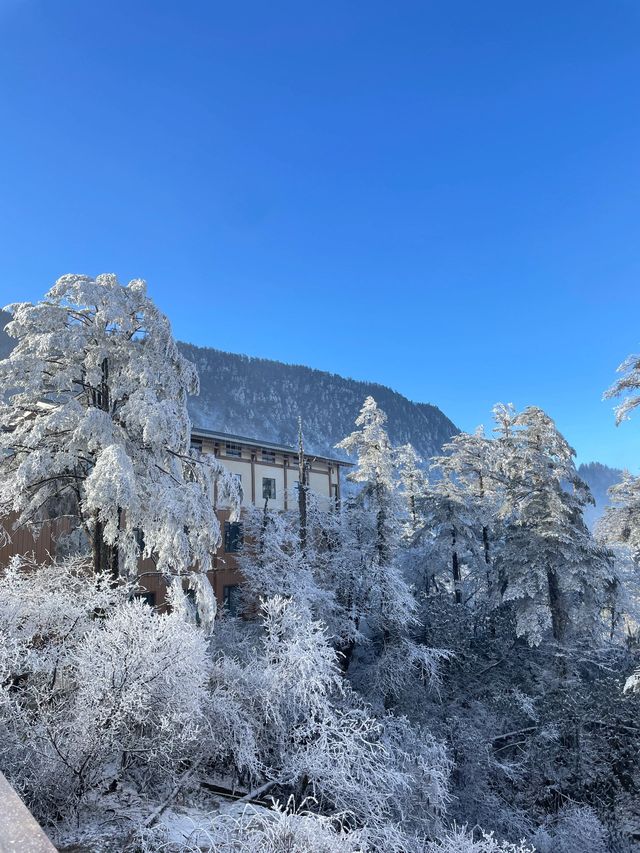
{"x": 199, "y": 432}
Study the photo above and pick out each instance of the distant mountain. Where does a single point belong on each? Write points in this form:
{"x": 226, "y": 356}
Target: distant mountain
{"x": 262, "y": 399}
{"x": 599, "y": 478}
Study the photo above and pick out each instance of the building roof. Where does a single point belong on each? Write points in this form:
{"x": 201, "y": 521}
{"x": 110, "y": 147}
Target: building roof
{"x": 199, "y": 432}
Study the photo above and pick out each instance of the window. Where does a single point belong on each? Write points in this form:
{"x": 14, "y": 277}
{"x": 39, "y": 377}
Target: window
{"x": 148, "y": 598}
{"x": 233, "y": 449}
{"x": 233, "y": 536}
{"x": 268, "y": 488}
{"x": 237, "y": 477}
{"x": 196, "y": 444}
{"x": 268, "y": 455}
{"x": 231, "y": 599}
{"x": 192, "y": 606}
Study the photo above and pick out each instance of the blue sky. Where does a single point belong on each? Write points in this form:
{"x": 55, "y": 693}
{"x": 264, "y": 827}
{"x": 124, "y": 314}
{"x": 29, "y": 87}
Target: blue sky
{"x": 440, "y": 196}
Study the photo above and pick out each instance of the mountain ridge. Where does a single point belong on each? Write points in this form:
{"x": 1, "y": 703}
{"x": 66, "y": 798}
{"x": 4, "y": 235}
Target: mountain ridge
{"x": 263, "y": 398}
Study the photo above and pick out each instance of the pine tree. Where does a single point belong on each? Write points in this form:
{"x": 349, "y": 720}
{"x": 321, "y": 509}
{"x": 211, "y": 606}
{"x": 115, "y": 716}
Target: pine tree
{"x": 550, "y": 566}
{"x": 449, "y": 542}
{"x": 384, "y": 597}
{"x": 413, "y": 483}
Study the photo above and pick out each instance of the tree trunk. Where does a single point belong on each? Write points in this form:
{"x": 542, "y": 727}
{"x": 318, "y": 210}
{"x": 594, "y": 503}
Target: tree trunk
{"x": 382, "y": 545}
{"x": 487, "y": 559}
{"x": 105, "y": 557}
{"x": 455, "y": 568}
{"x": 559, "y": 616}
{"x": 303, "y": 485}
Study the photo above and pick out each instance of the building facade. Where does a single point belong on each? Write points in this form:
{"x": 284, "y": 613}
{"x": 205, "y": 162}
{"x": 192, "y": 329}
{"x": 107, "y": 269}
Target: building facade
{"x": 267, "y": 473}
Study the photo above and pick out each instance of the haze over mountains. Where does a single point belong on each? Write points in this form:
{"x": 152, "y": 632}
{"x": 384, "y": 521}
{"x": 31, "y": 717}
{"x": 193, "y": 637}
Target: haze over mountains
{"x": 260, "y": 398}
{"x": 599, "y": 478}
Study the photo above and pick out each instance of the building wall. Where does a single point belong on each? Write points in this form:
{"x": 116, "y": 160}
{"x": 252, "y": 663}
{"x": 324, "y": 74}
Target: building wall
{"x": 42, "y": 546}
{"x": 323, "y": 480}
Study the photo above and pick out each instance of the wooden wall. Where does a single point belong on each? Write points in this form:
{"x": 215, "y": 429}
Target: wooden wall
{"x": 41, "y": 546}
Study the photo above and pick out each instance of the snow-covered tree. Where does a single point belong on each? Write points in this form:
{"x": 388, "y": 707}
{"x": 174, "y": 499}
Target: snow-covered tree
{"x": 549, "y": 564}
{"x": 328, "y": 743}
{"x": 273, "y": 563}
{"x": 620, "y": 523}
{"x": 88, "y": 702}
{"x": 94, "y": 426}
{"x": 449, "y": 542}
{"x": 412, "y": 486}
{"x": 469, "y": 458}
{"x": 382, "y": 601}
{"x": 627, "y": 387}
{"x": 374, "y": 474}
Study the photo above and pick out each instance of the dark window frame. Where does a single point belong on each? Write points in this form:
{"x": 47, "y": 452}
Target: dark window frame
{"x": 269, "y": 492}
{"x": 231, "y": 598}
{"x": 233, "y": 537}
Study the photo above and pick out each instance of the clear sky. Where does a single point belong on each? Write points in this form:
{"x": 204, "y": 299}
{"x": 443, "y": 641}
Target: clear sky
{"x": 440, "y": 196}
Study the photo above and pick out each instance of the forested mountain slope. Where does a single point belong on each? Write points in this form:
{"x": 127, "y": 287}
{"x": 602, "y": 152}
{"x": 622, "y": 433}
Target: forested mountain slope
{"x": 599, "y": 478}
{"x": 263, "y": 398}
{"x": 259, "y": 398}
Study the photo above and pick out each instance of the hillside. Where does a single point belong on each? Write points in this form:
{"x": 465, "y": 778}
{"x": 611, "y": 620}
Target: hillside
{"x": 599, "y": 478}
{"x": 259, "y": 398}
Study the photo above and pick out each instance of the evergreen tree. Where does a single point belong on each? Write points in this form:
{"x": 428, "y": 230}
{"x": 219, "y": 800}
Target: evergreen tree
{"x": 549, "y": 564}
{"x": 385, "y": 601}
{"x": 413, "y": 484}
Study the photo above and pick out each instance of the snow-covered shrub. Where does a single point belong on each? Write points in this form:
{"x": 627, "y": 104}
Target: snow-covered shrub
{"x": 459, "y": 840}
{"x": 285, "y": 828}
{"x": 320, "y": 739}
{"x": 45, "y": 608}
{"x": 574, "y": 830}
{"x": 96, "y": 689}
{"x": 141, "y": 688}
{"x": 235, "y": 721}
{"x": 426, "y": 768}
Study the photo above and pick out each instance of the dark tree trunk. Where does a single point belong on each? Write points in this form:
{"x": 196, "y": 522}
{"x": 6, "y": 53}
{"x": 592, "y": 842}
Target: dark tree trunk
{"x": 105, "y": 557}
{"x": 487, "y": 559}
{"x": 413, "y": 511}
{"x": 455, "y": 568}
{"x": 382, "y": 545}
{"x": 303, "y": 487}
{"x": 559, "y": 618}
